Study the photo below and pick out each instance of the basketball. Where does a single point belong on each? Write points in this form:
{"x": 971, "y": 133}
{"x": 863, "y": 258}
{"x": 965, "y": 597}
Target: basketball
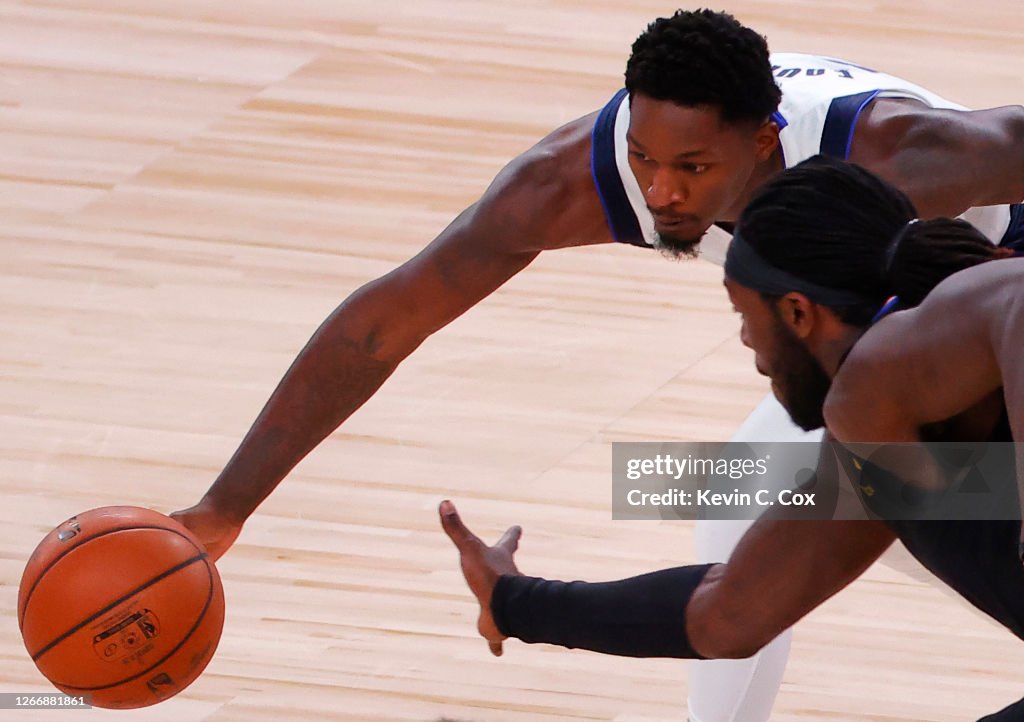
{"x": 120, "y": 605}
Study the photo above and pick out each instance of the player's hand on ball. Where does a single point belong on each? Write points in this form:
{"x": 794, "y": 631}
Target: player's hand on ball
{"x": 215, "y": 530}
{"x": 482, "y": 566}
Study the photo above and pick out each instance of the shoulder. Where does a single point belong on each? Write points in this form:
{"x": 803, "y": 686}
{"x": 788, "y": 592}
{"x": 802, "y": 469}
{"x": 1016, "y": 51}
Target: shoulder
{"x": 561, "y": 160}
{"x": 890, "y": 368}
{"x": 888, "y": 124}
{"x": 933, "y": 362}
{"x": 990, "y": 296}
{"x": 545, "y": 197}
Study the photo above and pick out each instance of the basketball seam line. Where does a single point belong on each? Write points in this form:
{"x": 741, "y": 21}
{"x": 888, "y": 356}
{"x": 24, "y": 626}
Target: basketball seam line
{"x": 81, "y": 542}
{"x": 185, "y": 638}
{"x": 87, "y": 620}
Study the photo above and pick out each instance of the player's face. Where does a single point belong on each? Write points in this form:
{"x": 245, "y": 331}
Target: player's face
{"x": 693, "y": 168}
{"x": 799, "y": 381}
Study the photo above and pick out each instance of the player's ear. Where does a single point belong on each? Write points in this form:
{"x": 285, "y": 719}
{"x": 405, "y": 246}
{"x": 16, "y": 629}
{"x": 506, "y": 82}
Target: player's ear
{"x": 798, "y": 313}
{"x": 766, "y": 139}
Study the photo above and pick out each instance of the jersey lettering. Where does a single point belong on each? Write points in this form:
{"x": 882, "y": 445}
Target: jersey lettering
{"x": 781, "y": 72}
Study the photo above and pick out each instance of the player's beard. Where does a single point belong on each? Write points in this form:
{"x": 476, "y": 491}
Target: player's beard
{"x": 801, "y": 384}
{"x": 677, "y": 246}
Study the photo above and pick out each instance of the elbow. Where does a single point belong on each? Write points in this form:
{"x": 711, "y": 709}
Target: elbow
{"x": 358, "y": 324}
{"x": 721, "y": 625}
{"x": 735, "y": 638}
{"x": 736, "y": 648}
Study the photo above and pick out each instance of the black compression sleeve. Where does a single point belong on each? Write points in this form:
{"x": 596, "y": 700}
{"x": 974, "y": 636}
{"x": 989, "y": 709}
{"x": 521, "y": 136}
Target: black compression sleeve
{"x": 643, "y": 616}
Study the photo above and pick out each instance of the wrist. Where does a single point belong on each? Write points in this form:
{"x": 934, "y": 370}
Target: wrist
{"x": 225, "y": 511}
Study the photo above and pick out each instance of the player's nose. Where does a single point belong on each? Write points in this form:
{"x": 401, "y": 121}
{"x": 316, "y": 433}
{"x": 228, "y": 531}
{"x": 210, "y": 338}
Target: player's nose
{"x": 664, "y": 190}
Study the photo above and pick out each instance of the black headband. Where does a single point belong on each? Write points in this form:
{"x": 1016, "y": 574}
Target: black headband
{"x": 746, "y": 267}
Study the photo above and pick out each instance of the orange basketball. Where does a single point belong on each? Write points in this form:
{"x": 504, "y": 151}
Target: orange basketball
{"x": 122, "y": 606}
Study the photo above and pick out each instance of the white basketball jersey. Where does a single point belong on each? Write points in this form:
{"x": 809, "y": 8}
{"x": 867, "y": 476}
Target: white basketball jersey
{"x": 822, "y": 98}
{"x": 813, "y": 85}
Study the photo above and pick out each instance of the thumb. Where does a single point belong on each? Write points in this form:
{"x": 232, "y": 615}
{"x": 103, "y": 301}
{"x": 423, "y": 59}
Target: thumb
{"x": 452, "y": 524}
{"x": 510, "y": 539}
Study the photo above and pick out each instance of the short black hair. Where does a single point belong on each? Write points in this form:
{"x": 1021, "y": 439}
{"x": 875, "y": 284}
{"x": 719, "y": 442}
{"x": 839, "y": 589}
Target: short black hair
{"x": 705, "y": 58}
{"x": 840, "y": 226}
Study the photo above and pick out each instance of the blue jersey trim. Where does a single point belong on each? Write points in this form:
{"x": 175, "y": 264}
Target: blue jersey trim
{"x": 780, "y": 120}
{"x": 1014, "y": 236}
{"x": 837, "y": 133}
{"x": 618, "y": 212}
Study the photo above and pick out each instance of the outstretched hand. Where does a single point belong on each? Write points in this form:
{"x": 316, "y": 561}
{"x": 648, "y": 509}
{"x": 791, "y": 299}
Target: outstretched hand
{"x": 482, "y": 566}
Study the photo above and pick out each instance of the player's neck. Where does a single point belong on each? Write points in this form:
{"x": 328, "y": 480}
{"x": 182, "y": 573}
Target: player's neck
{"x": 831, "y": 349}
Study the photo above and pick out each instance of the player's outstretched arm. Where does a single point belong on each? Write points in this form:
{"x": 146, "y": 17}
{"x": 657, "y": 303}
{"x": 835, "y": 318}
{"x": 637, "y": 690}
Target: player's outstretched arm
{"x": 543, "y": 199}
{"x": 780, "y": 571}
{"x": 946, "y": 161}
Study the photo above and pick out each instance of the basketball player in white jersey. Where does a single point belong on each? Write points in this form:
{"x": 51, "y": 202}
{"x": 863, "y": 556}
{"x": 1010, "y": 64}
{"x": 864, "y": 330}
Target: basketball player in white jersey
{"x": 702, "y": 129}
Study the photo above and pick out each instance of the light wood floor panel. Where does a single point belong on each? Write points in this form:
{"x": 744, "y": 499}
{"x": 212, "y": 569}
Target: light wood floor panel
{"x": 188, "y": 188}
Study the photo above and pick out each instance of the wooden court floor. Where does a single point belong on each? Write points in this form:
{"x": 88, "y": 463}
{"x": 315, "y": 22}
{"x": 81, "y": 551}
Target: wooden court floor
{"x": 188, "y": 188}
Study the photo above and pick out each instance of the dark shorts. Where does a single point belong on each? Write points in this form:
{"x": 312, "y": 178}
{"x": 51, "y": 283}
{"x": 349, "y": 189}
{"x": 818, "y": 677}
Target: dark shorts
{"x": 1013, "y": 713}
{"x": 1014, "y": 236}
{"x": 978, "y": 559}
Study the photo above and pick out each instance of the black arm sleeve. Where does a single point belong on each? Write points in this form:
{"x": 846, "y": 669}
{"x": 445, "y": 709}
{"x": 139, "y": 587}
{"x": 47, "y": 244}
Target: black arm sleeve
{"x": 643, "y": 616}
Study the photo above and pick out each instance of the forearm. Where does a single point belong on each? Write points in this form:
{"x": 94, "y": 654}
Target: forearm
{"x": 644, "y": 616}
{"x": 333, "y": 375}
{"x": 780, "y": 571}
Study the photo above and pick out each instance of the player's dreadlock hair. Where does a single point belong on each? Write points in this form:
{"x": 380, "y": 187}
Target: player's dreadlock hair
{"x": 702, "y": 57}
{"x": 837, "y": 226}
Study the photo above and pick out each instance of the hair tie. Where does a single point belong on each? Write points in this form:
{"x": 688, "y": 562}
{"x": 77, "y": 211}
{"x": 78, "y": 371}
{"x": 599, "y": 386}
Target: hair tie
{"x": 888, "y": 307}
{"x": 893, "y": 248}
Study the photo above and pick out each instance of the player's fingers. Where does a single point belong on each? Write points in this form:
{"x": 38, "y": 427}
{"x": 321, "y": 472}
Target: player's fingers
{"x": 495, "y": 647}
{"x": 510, "y": 539}
{"x": 453, "y": 526}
